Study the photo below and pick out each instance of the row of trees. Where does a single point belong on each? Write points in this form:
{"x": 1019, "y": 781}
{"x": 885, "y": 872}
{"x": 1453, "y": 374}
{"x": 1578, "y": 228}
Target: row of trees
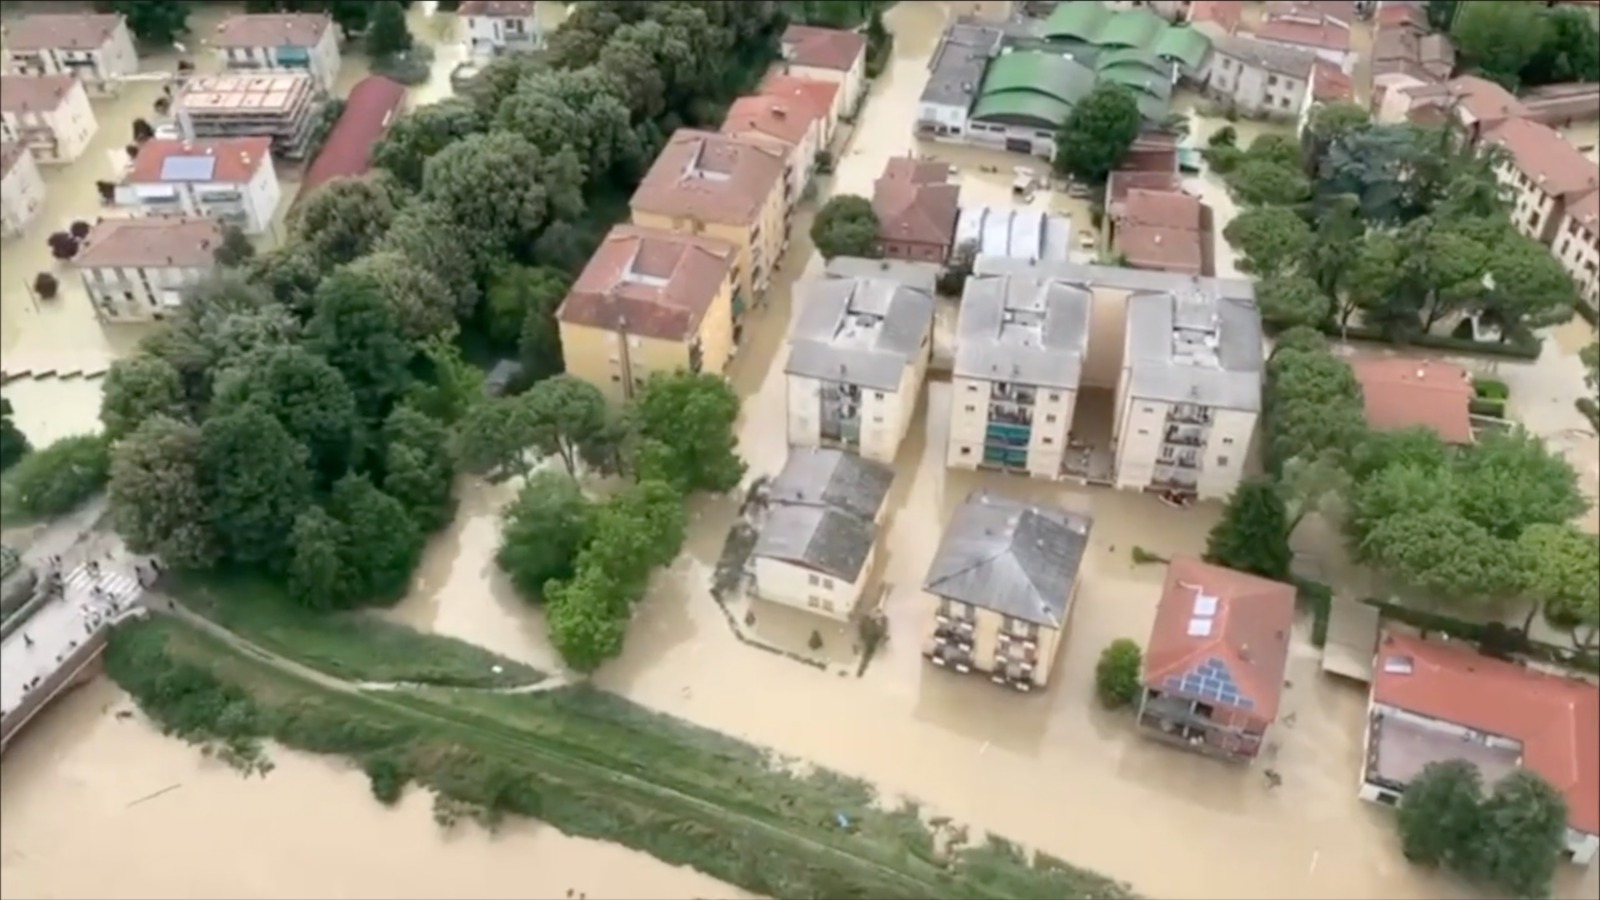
{"x": 1524, "y": 44}
{"x": 159, "y": 23}
{"x": 1398, "y": 228}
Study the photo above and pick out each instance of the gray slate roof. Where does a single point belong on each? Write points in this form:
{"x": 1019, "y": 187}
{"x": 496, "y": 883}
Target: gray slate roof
{"x": 958, "y": 64}
{"x": 1026, "y": 328}
{"x": 862, "y": 331}
{"x": 822, "y": 509}
{"x": 1018, "y": 560}
{"x": 1273, "y": 58}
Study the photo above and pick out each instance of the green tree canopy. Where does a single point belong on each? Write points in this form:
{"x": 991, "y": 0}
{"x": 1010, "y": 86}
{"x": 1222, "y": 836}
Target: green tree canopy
{"x": 1523, "y": 833}
{"x": 1439, "y": 820}
{"x": 545, "y": 528}
{"x": 344, "y": 219}
{"x": 1511, "y": 480}
{"x": 356, "y": 330}
{"x": 387, "y": 33}
{"x": 1286, "y": 301}
{"x": 1253, "y": 534}
{"x": 1560, "y": 574}
{"x": 684, "y": 425}
{"x": 1098, "y": 133}
{"x": 1499, "y": 37}
{"x": 13, "y": 443}
{"x": 156, "y": 500}
{"x": 254, "y": 481}
{"x": 1270, "y": 239}
{"x": 59, "y": 476}
{"x": 418, "y": 468}
{"x": 307, "y": 396}
{"x": 136, "y": 389}
{"x": 846, "y": 226}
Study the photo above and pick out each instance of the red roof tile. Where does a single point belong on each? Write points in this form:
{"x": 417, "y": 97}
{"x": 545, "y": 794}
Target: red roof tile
{"x": 1586, "y": 210}
{"x": 1161, "y": 230}
{"x": 34, "y": 93}
{"x": 1547, "y": 158}
{"x": 1407, "y": 393}
{"x": 771, "y": 116}
{"x": 250, "y": 30}
{"x": 1226, "y": 14}
{"x": 916, "y": 202}
{"x": 372, "y": 106}
{"x": 1401, "y": 15}
{"x": 1301, "y": 34}
{"x": 710, "y": 177}
{"x": 237, "y": 159}
{"x": 1338, "y": 11}
{"x": 1330, "y": 84}
{"x": 1557, "y": 720}
{"x": 652, "y": 283}
{"x": 61, "y": 31}
{"x": 154, "y": 242}
{"x": 820, "y": 94}
{"x": 1248, "y": 634}
{"x": 823, "y": 48}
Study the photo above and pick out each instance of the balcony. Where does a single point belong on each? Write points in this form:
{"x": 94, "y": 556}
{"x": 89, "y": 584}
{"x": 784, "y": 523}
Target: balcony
{"x": 1005, "y": 457}
{"x": 1185, "y": 436}
{"x": 1179, "y": 459}
{"x": 1008, "y": 414}
{"x": 1007, "y": 392}
{"x": 1189, "y": 414}
{"x": 1000, "y": 434}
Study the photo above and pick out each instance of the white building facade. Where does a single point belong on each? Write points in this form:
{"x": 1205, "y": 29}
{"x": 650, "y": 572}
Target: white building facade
{"x": 48, "y": 114}
{"x": 96, "y": 49}
{"x": 232, "y": 181}
{"x": 1258, "y": 78}
{"x": 280, "y": 42}
{"x": 493, "y": 27}
{"x": 828, "y": 54}
{"x": 1577, "y": 246}
{"x": 22, "y": 190}
{"x": 136, "y": 270}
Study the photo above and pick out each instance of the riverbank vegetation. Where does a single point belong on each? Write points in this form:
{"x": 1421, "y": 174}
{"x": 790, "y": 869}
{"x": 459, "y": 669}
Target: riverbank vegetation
{"x": 591, "y": 765}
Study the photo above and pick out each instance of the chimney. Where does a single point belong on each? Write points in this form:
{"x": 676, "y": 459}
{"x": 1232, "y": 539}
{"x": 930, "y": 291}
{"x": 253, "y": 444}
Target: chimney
{"x": 778, "y": 112}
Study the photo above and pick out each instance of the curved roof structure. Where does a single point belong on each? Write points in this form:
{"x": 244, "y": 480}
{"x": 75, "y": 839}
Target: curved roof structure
{"x": 1182, "y": 44}
{"x": 1131, "y": 28}
{"x": 1076, "y": 22}
{"x": 1131, "y": 56}
{"x": 1033, "y": 85}
{"x": 1091, "y": 22}
{"x": 1023, "y": 107}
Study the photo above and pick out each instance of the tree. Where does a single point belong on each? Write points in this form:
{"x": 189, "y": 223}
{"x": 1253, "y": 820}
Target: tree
{"x": 79, "y": 229}
{"x": 308, "y": 397}
{"x": 587, "y": 110}
{"x": 1439, "y": 819}
{"x": 357, "y": 330}
{"x": 1560, "y": 574}
{"x": 387, "y": 33}
{"x": 544, "y": 529}
{"x": 156, "y": 23}
{"x": 13, "y": 443}
{"x": 1437, "y": 552}
{"x": 1570, "y": 50}
{"x": 846, "y": 226}
{"x": 421, "y": 303}
{"x": 1372, "y": 276}
{"x": 518, "y": 293}
{"x": 381, "y": 543}
{"x": 450, "y": 385}
{"x": 1269, "y": 239}
{"x": 136, "y": 389}
{"x": 497, "y": 186}
{"x": 317, "y": 577}
{"x": 635, "y": 532}
{"x": 1522, "y": 834}
{"x": 1290, "y": 300}
{"x": 424, "y": 234}
{"x": 565, "y": 413}
{"x": 1264, "y": 183}
{"x": 684, "y": 423}
{"x": 494, "y": 437}
{"x": 1328, "y": 123}
{"x": 58, "y": 477}
{"x": 1306, "y": 485}
{"x": 1300, "y": 339}
{"x": 585, "y": 625}
{"x": 155, "y": 496}
{"x": 1590, "y": 357}
{"x": 235, "y": 249}
{"x": 1499, "y": 38}
{"x": 1253, "y": 534}
{"x": 344, "y": 219}
{"x": 1511, "y": 480}
{"x": 289, "y": 272}
{"x": 1117, "y": 676}
{"x": 422, "y": 134}
{"x": 254, "y": 483}
{"x": 63, "y": 246}
{"x": 46, "y": 286}
{"x": 418, "y": 469}
{"x": 1313, "y": 404}
{"x": 1098, "y": 133}
{"x": 1529, "y": 289}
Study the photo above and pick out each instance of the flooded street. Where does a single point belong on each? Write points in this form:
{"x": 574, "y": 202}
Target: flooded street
{"x": 1051, "y": 770}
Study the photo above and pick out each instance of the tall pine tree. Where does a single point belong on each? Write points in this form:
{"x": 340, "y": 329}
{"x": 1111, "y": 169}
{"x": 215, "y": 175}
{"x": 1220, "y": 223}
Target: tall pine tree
{"x": 1253, "y": 535}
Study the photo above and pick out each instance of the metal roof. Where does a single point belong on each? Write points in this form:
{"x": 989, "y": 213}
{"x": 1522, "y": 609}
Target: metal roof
{"x": 1024, "y": 328}
{"x": 860, "y": 330}
{"x": 188, "y": 168}
{"x": 1016, "y": 233}
{"x": 822, "y": 511}
{"x": 1017, "y": 560}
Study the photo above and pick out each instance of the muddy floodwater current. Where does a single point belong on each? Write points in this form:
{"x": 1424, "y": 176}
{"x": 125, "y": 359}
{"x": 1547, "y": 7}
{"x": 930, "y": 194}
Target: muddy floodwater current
{"x": 1051, "y": 770}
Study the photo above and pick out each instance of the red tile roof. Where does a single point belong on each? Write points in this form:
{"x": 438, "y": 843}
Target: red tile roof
{"x": 823, "y": 48}
{"x": 237, "y": 159}
{"x": 371, "y": 108}
{"x": 1330, "y": 84}
{"x": 1301, "y": 34}
{"x": 155, "y": 242}
{"x": 1557, "y": 720}
{"x": 250, "y": 30}
{"x": 1226, "y": 14}
{"x": 1401, "y": 15}
{"x": 916, "y": 202}
{"x": 1339, "y": 11}
{"x": 506, "y": 9}
{"x": 61, "y": 31}
{"x": 1123, "y": 180}
{"x": 820, "y": 94}
{"x": 771, "y": 116}
{"x": 1408, "y": 393}
{"x": 1248, "y": 634}
{"x": 1161, "y": 230}
{"x": 652, "y": 283}
{"x": 34, "y": 93}
{"x": 1547, "y": 158}
{"x": 710, "y": 177}
{"x": 1586, "y": 210}
{"x": 1486, "y": 102}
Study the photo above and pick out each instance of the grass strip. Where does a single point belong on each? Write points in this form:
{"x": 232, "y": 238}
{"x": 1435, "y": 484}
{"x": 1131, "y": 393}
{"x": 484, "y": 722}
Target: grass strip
{"x": 592, "y": 765}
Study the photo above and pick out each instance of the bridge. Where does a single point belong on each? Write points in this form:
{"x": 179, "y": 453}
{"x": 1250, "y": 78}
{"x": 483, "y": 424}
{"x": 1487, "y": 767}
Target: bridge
{"x": 60, "y": 641}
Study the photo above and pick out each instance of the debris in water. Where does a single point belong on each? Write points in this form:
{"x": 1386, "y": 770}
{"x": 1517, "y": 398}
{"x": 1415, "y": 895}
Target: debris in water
{"x": 496, "y": 669}
{"x": 842, "y": 819}
{"x": 168, "y": 788}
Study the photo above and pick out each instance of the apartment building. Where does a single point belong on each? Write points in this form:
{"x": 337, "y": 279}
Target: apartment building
{"x": 818, "y": 532}
{"x": 1190, "y": 390}
{"x": 231, "y": 180}
{"x": 21, "y": 188}
{"x": 95, "y": 48}
{"x": 1545, "y": 174}
{"x": 1310, "y": 27}
{"x": 917, "y": 204}
{"x": 828, "y": 54}
{"x": 136, "y": 270}
{"x": 280, "y": 42}
{"x": 494, "y": 27}
{"x": 858, "y": 353}
{"x": 823, "y": 97}
{"x": 649, "y": 301}
{"x": 1259, "y": 78}
{"x": 1001, "y": 587}
{"x": 48, "y": 114}
{"x": 1020, "y": 345}
{"x": 1577, "y": 246}
{"x": 795, "y": 127}
{"x": 283, "y": 107}
{"x": 727, "y": 188}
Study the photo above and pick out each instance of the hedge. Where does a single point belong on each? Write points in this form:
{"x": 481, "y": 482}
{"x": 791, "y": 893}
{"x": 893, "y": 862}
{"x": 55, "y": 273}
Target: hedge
{"x": 1490, "y": 388}
{"x": 1590, "y": 411}
{"x": 1319, "y": 597}
{"x": 1515, "y": 349}
{"x": 1480, "y": 632}
{"x": 1483, "y": 406}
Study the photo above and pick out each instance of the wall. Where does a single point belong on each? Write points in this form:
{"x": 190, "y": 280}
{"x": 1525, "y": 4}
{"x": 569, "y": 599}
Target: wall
{"x": 1579, "y": 253}
{"x": 969, "y": 423}
{"x": 986, "y": 636}
{"x": 1534, "y": 212}
{"x": 794, "y": 585}
{"x": 914, "y": 251}
{"x": 1255, "y": 90}
{"x": 70, "y": 126}
{"x": 325, "y": 61}
{"x": 134, "y": 294}
{"x": 942, "y": 122}
{"x": 1142, "y": 427}
{"x": 884, "y": 415}
{"x": 262, "y": 196}
{"x": 23, "y": 193}
{"x": 852, "y": 83}
{"x": 1011, "y": 138}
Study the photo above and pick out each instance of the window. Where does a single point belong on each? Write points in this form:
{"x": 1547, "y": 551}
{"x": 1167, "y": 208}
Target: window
{"x": 971, "y": 408}
{"x": 877, "y": 420}
{"x": 813, "y": 579}
{"x": 966, "y": 451}
{"x": 1049, "y": 440}
{"x": 877, "y": 395}
{"x": 1149, "y": 409}
{"x": 1222, "y": 460}
{"x": 1284, "y": 103}
{"x": 1227, "y": 440}
{"x": 1144, "y": 431}
{"x": 1055, "y": 397}
{"x": 827, "y": 583}
{"x": 1050, "y": 420}
{"x": 1272, "y": 80}
{"x": 972, "y": 388}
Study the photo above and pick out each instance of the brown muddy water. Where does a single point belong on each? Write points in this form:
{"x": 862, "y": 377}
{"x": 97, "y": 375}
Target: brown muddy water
{"x": 1051, "y": 770}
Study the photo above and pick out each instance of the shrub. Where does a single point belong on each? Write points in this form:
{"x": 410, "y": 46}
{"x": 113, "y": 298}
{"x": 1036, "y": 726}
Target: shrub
{"x": 1490, "y": 388}
{"x": 46, "y": 286}
{"x": 56, "y": 479}
{"x": 1590, "y": 410}
{"x": 79, "y": 229}
{"x": 410, "y": 68}
{"x": 1116, "y": 675}
{"x": 1516, "y": 348}
{"x": 387, "y": 778}
{"x": 1143, "y": 557}
{"x": 1318, "y": 597}
{"x": 1489, "y": 407}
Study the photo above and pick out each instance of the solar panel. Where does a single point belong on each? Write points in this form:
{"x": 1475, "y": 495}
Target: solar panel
{"x": 188, "y": 168}
{"x": 1205, "y": 604}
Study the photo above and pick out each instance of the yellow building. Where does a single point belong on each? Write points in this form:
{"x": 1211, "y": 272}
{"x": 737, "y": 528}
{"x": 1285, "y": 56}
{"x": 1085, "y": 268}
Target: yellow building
{"x": 728, "y": 188}
{"x": 649, "y": 301}
{"x": 1001, "y": 587}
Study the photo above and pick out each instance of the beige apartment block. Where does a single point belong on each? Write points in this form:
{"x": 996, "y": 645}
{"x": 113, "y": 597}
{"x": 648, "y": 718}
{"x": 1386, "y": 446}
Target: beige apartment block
{"x": 137, "y": 270}
{"x": 95, "y": 48}
{"x": 48, "y": 114}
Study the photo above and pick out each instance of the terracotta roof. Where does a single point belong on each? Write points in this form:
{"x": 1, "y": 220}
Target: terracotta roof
{"x": 1586, "y": 210}
{"x": 10, "y": 154}
{"x": 1407, "y": 393}
{"x": 61, "y": 31}
{"x": 1225, "y": 13}
{"x": 1488, "y": 103}
{"x": 371, "y": 108}
{"x": 711, "y": 177}
{"x": 820, "y": 94}
{"x": 1330, "y": 84}
{"x": 823, "y": 48}
{"x": 158, "y": 241}
{"x": 1340, "y": 11}
{"x": 1152, "y": 152}
{"x": 915, "y": 201}
{"x": 1557, "y": 720}
{"x": 503, "y": 9}
{"x": 271, "y": 30}
{"x": 1161, "y": 230}
{"x": 1247, "y": 637}
{"x": 34, "y": 93}
{"x": 1124, "y": 180}
{"x": 1301, "y": 34}
{"x": 1397, "y": 15}
{"x": 1546, "y": 157}
{"x": 237, "y": 160}
{"x": 770, "y": 116}
{"x": 653, "y": 283}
